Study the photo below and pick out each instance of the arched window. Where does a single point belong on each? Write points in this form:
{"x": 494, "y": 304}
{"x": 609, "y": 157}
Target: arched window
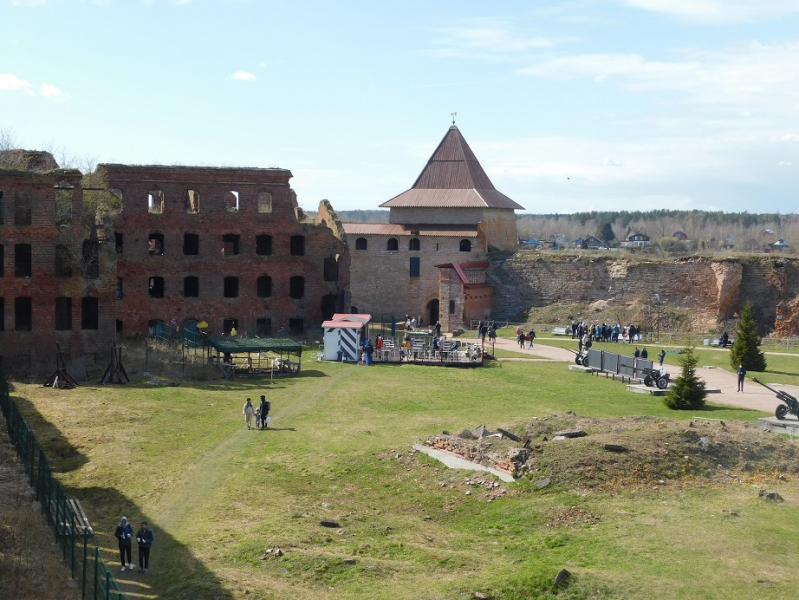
{"x": 360, "y": 244}
{"x": 392, "y": 244}
{"x": 414, "y": 244}
{"x": 466, "y": 246}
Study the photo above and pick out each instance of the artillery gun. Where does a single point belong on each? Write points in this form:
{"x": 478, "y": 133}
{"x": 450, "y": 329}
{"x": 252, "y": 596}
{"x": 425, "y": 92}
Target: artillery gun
{"x": 791, "y": 404}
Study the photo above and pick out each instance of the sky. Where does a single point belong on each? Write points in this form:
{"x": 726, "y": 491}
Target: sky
{"x": 570, "y": 106}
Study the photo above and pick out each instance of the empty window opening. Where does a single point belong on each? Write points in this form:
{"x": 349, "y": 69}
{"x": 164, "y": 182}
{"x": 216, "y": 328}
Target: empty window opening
{"x": 298, "y": 245}
{"x": 23, "y": 314}
{"x": 118, "y": 242}
{"x": 465, "y": 246}
{"x": 89, "y": 313}
{"x": 192, "y": 202}
{"x": 155, "y": 202}
{"x": 331, "y": 268}
{"x": 1, "y": 208}
{"x": 296, "y": 287}
{"x": 155, "y": 244}
{"x": 22, "y": 208}
{"x": 231, "y": 287}
{"x": 296, "y": 325}
{"x": 329, "y": 302}
{"x": 263, "y": 327}
{"x": 91, "y": 259}
{"x": 263, "y": 245}
{"x": 230, "y": 244}
{"x": 63, "y": 261}
{"x": 191, "y": 244}
{"x": 436, "y": 246}
{"x": 452, "y": 307}
{"x": 392, "y": 245}
{"x": 232, "y": 202}
{"x": 156, "y": 286}
{"x": 264, "y": 202}
{"x": 2, "y": 260}
{"x": 191, "y": 287}
{"x": 414, "y": 244}
{"x": 119, "y": 327}
{"x": 63, "y": 314}
{"x": 361, "y": 244}
{"x": 120, "y": 289}
{"x": 63, "y": 207}
{"x": 264, "y": 286}
{"x": 22, "y": 260}
{"x": 2, "y": 314}
{"x": 230, "y": 326}
{"x": 415, "y": 266}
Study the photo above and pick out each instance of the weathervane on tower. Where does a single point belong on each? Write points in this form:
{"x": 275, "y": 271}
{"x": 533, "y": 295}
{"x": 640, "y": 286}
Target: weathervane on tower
{"x": 453, "y": 117}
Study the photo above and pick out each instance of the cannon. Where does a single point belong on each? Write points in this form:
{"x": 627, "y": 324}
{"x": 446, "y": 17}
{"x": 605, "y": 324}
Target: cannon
{"x": 791, "y": 404}
{"x": 656, "y": 377}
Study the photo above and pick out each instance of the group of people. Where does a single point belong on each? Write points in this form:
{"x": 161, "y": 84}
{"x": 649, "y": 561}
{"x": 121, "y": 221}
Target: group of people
{"x": 484, "y": 330}
{"x": 605, "y": 332}
{"x": 144, "y": 539}
{"x": 523, "y": 338}
{"x": 260, "y": 414}
{"x": 412, "y": 323}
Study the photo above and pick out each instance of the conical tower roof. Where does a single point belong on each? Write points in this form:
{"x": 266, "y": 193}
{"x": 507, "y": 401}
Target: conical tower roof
{"x": 453, "y": 178}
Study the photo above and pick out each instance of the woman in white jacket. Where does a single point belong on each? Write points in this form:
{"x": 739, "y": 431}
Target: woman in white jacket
{"x": 249, "y": 413}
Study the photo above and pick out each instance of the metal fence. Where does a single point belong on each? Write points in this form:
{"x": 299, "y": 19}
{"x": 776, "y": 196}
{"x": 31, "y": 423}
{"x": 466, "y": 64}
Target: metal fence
{"x": 83, "y": 558}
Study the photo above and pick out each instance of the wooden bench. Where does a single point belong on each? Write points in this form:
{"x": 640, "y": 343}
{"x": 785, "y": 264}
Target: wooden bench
{"x": 81, "y": 520}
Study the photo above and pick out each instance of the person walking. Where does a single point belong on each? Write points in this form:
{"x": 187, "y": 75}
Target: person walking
{"x": 249, "y": 412}
{"x": 265, "y": 406}
{"x": 531, "y": 337}
{"x": 661, "y": 356}
{"x": 145, "y": 539}
{"x": 741, "y": 377}
{"x": 368, "y": 350}
{"x": 123, "y": 534}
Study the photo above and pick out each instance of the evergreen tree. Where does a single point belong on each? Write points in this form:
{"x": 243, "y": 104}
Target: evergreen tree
{"x": 687, "y": 392}
{"x": 604, "y": 232}
{"x": 746, "y": 349}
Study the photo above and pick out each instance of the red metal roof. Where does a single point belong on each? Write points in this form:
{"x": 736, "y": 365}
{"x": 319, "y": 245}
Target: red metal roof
{"x": 453, "y": 177}
{"x": 460, "y": 231}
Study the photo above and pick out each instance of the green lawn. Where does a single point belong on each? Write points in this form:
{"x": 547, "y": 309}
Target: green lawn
{"x": 339, "y": 448}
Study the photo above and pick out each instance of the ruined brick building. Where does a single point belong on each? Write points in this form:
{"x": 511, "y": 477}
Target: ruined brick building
{"x": 56, "y": 283}
{"x": 221, "y": 248}
{"x": 430, "y": 259}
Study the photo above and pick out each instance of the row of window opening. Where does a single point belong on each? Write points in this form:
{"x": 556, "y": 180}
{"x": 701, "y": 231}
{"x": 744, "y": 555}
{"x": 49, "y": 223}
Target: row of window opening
{"x": 230, "y": 287}
{"x": 231, "y": 244}
{"x": 231, "y": 201}
{"x": 23, "y": 260}
{"x": 414, "y": 245}
{"x": 23, "y": 206}
{"x": 23, "y": 314}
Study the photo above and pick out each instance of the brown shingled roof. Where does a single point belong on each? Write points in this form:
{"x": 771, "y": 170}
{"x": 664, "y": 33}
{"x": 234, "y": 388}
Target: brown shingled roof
{"x": 453, "y": 177}
{"x": 462, "y": 231}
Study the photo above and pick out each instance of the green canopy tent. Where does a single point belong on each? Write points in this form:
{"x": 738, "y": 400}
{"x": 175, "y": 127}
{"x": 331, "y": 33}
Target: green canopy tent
{"x": 234, "y": 355}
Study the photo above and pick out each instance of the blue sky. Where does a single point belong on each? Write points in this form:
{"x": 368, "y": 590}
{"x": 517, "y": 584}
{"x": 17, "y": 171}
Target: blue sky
{"x": 570, "y": 106}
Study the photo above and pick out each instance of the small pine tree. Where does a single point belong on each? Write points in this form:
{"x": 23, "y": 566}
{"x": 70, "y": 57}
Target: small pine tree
{"x": 746, "y": 349}
{"x": 604, "y": 232}
{"x": 688, "y": 391}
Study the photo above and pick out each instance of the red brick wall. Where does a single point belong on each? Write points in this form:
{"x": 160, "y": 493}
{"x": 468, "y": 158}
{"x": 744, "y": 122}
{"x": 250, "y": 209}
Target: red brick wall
{"x": 136, "y": 265}
{"x": 27, "y": 351}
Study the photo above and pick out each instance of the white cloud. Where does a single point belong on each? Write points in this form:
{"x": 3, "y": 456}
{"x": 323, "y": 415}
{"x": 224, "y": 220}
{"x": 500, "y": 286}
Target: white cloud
{"x": 718, "y": 12}
{"x": 487, "y": 39}
{"x": 242, "y": 76}
{"x": 51, "y": 91}
{"x": 12, "y": 83}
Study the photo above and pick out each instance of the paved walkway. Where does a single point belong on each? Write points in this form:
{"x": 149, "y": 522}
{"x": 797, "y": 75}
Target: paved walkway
{"x": 754, "y": 396}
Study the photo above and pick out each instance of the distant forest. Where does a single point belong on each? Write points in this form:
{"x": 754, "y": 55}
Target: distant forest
{"x": 706, "y": 229}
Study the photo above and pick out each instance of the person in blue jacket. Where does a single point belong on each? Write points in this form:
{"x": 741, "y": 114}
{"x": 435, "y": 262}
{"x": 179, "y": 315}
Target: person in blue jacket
{"x": 123, "y": 534}
{"x": 145, "y": 539}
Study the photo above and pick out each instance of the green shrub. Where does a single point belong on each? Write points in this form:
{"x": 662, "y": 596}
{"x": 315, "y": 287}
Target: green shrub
{"x": 746, "y": 349}
{"x": 688, "y": 391}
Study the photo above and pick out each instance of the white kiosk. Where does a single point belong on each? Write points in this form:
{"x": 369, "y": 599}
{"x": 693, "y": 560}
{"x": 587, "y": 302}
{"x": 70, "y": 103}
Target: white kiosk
{"x": 344, "y": 336}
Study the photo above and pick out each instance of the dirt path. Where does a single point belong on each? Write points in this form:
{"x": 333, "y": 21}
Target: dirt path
{"x": 754, "y": 396}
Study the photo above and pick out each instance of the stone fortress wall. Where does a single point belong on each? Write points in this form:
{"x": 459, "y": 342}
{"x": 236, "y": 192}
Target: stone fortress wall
{"x": 711, "y": 288}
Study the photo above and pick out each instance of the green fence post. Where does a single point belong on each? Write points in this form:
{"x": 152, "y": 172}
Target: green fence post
{"x": 107, "y": 585}
{"x": 85, "y": 557}
{"x": 96, "y": 571}
{"x": 72, "y": 528}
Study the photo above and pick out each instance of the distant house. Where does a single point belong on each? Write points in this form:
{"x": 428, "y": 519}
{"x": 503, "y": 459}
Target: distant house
{"x": 594, "y": 243}
{"x": 767, "y": 233}
{"x": 578, "y": 243}
{"x": 780, "y": 244}
{"x": 680, "y": 235}
{"x": 636, "y": 240}
{"x": 729, "y": 242}
{"x": 559, "y": 240}
{"x": 530, "y": 243}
